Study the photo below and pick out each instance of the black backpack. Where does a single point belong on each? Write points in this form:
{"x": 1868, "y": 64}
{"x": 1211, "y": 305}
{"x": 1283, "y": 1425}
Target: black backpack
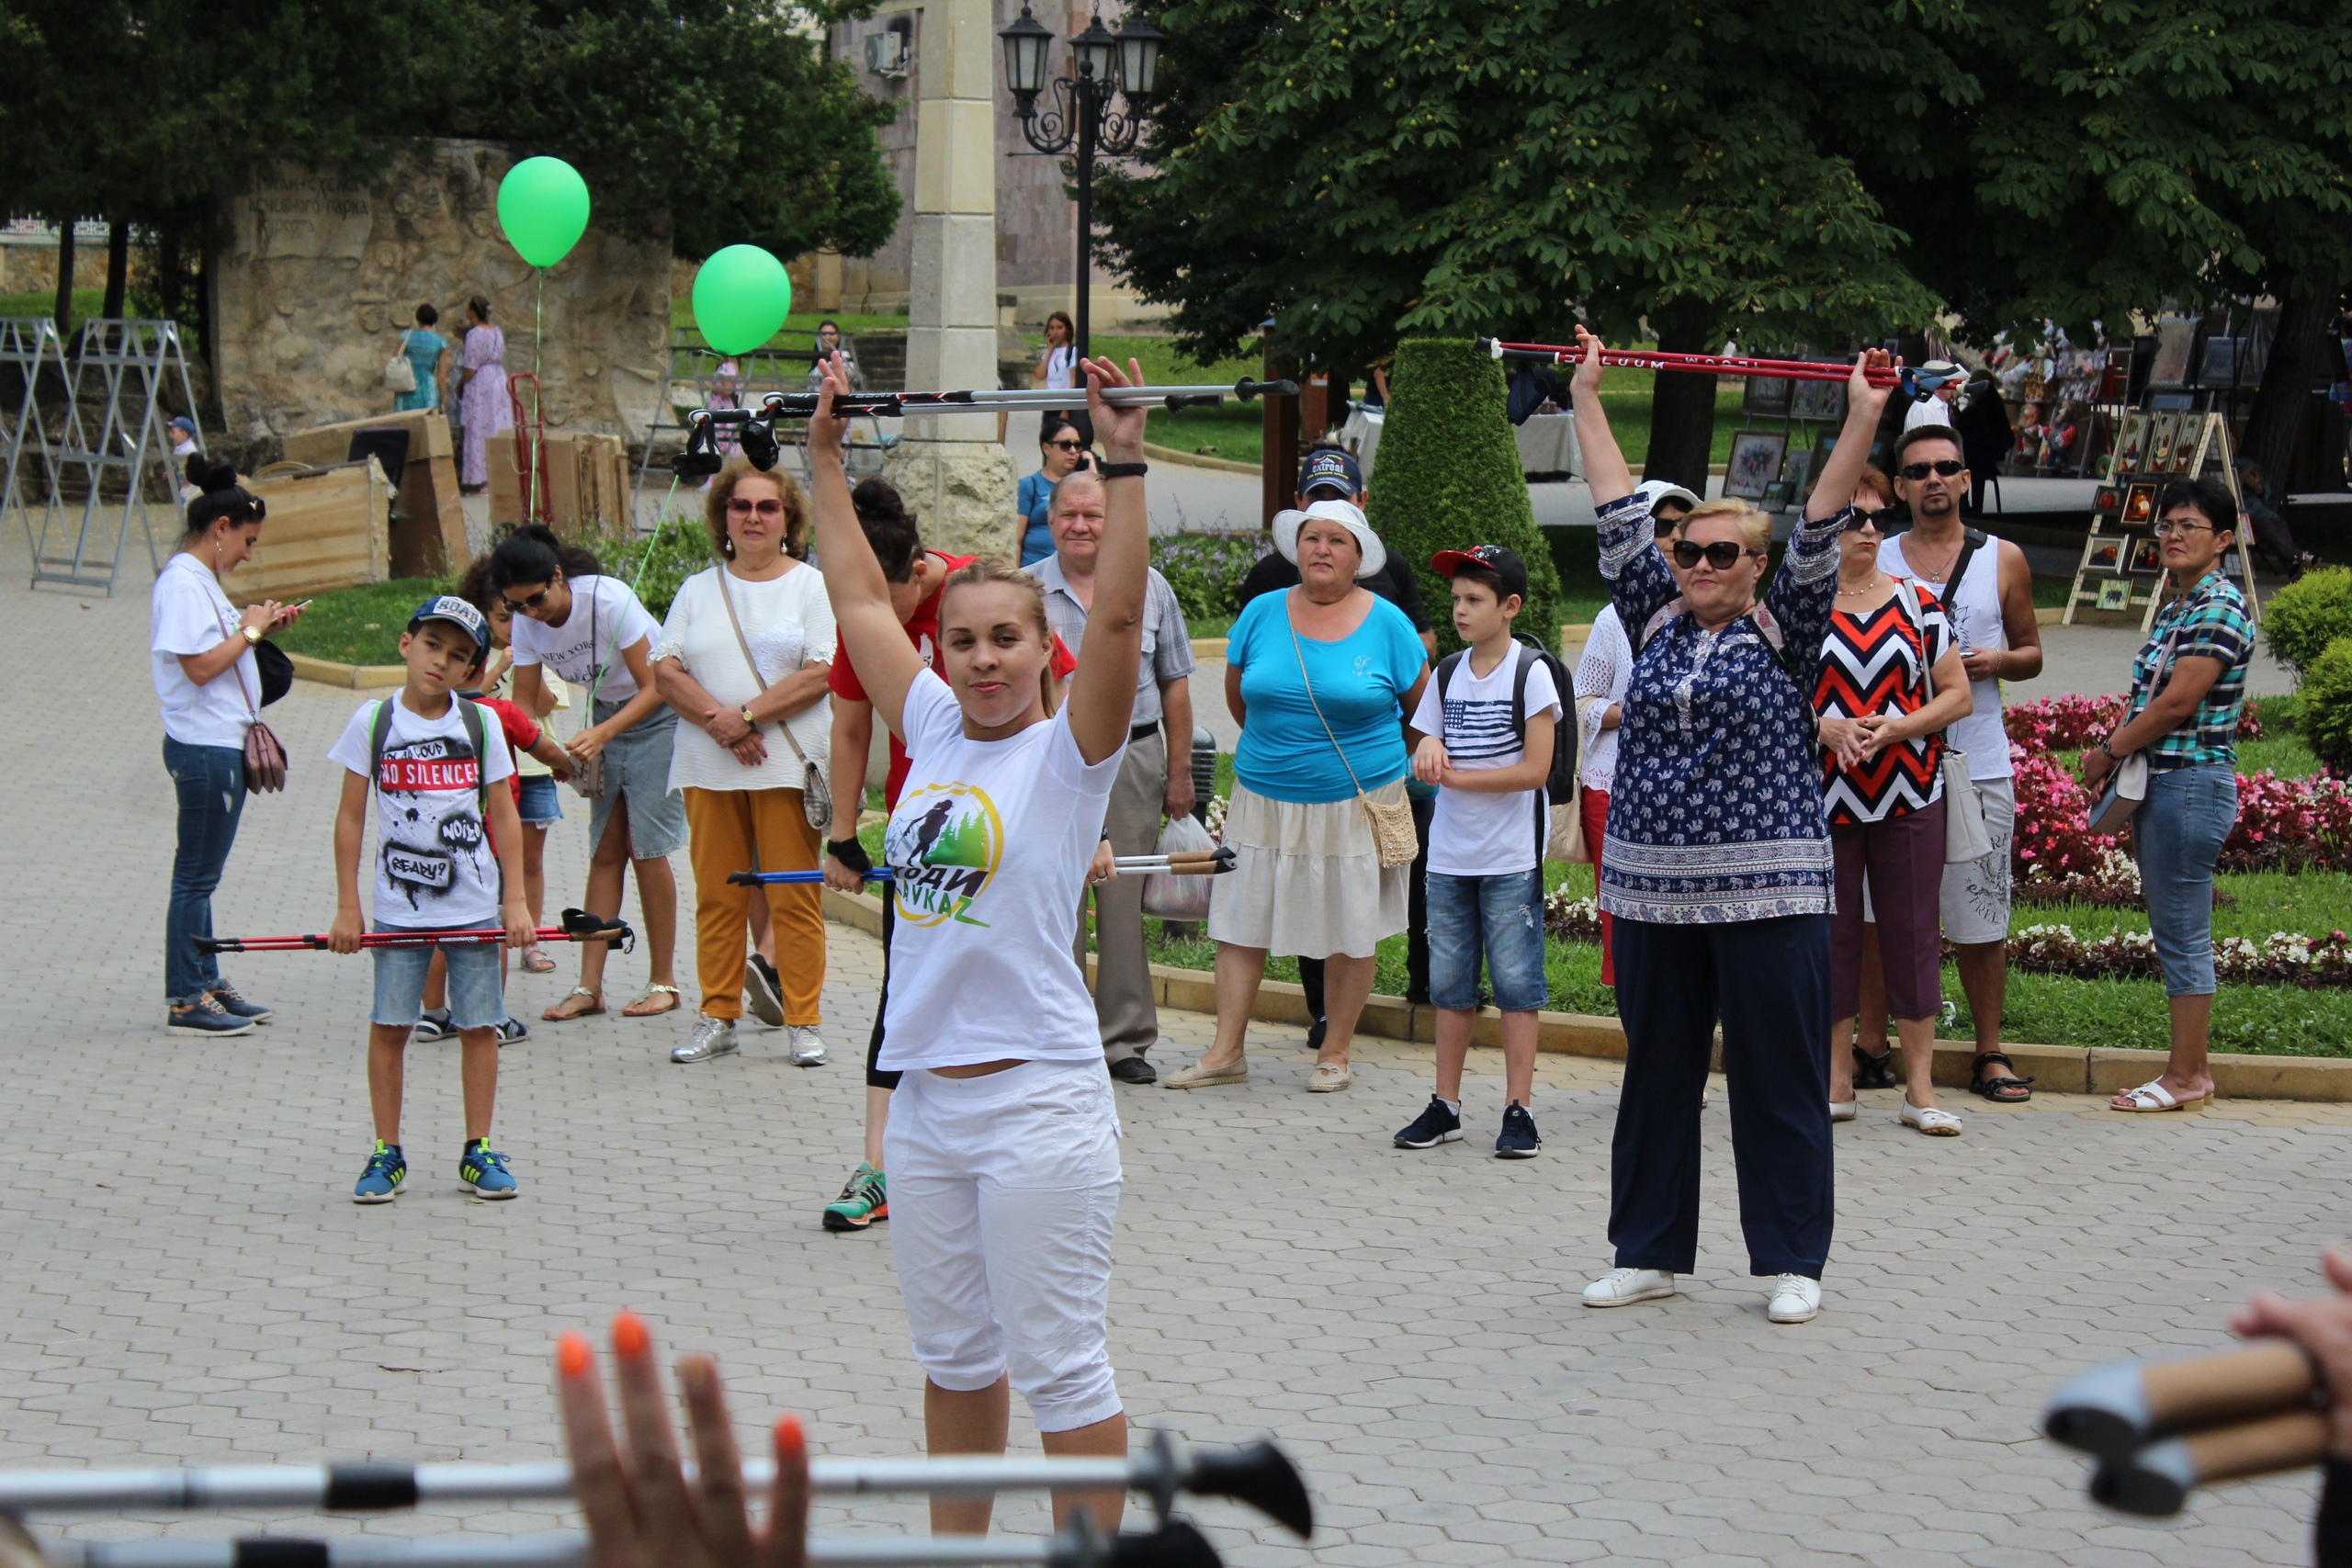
{"x": 1560, "y": 784}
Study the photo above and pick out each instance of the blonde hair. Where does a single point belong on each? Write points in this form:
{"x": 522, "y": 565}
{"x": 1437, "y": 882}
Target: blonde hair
{"x": 1755, "y": 527}
{"x": 722, "y": 490}
{"x": 1877, "y": 483}
{"x": 996, "y": 568}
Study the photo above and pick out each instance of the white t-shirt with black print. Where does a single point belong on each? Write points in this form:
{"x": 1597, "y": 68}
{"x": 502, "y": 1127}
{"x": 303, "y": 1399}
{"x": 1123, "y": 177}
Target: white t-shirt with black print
{"x": 606, "y": 618}
{"x": 988, "y": 850}
{"x": 435, "y": 867}
{"x": 1474, "y": 834}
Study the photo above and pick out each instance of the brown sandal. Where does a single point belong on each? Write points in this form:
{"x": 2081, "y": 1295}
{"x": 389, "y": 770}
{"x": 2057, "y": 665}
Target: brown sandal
{"x": 639, "y": 1009}
{"x": 557, "y": 1014}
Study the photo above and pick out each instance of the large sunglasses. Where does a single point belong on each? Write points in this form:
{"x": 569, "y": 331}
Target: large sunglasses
{"x": 1722, "y": 555}
{"x": 1944, "y": 468}
{"x": 524, "y": 606}
{"x": 1862, "y": 517}
{"x": 1065, "y": 445}
{"x": 743, "y": 506}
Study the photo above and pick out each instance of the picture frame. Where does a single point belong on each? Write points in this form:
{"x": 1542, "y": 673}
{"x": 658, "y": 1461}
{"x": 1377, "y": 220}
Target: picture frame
{"x": 1776, "y": 496}
{"x": 1798, "y": 468}
{"x": 2146, "y": 558}
{"x": 2162, "y": 429}
{"x": 2140, "y": 504}
{"x": 2186, "y": 442}
{"x": 2108, "y": 501}
{"x": 1755, "y": 463}
{"x": 2105, "y": 555}
{"x": 2176, "y": 347}
{"x": 2115, "y": 594}
{"x": 1767, "y": 397}
{"x": 2132, "y": 447}
{"x": 1817, "y": 401}
{"x": 2219, "y": 372}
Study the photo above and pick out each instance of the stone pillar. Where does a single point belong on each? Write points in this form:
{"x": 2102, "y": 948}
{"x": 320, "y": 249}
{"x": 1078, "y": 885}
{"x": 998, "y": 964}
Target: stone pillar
{"x": 953, "y": 471}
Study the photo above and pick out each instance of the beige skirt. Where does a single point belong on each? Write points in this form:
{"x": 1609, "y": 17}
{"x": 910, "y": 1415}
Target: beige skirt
{"x": 1306, "y": 882}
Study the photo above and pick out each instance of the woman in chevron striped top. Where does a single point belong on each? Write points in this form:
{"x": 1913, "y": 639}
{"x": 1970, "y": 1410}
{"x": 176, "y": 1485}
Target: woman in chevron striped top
{"x": 1891, "y": 681}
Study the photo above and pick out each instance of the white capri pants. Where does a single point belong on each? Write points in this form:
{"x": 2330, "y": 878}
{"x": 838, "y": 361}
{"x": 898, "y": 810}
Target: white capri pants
{"x": 1003, "y": 1193}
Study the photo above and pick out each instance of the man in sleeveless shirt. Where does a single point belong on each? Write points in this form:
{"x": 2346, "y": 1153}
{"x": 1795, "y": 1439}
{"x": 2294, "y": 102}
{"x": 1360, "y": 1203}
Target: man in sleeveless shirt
{"x": 1991, "y": 616}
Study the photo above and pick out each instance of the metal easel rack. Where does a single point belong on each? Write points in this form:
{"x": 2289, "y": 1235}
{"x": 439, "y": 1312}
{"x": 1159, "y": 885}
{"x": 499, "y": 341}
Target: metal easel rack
{"x": 30, "y": 349}
{"x": 126, "y": 365}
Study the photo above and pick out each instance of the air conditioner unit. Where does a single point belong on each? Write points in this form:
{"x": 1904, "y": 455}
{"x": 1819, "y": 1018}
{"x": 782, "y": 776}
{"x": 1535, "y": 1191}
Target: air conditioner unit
{"x": 887, "y": 53}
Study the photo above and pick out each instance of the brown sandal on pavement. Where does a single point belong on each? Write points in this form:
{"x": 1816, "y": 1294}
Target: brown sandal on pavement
{"x": 564, "y": 1012}
{"x": 2000, "y": 1091}
{"x": 639, "y": 1009}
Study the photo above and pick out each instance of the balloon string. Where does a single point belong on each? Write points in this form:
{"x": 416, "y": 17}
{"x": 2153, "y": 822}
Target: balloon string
{"x": 661, "y": 521}
{"x": 539, "y": 415}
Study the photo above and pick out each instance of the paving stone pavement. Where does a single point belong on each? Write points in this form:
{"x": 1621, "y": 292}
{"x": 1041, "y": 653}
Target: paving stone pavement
{"x": 187, "y": 1280}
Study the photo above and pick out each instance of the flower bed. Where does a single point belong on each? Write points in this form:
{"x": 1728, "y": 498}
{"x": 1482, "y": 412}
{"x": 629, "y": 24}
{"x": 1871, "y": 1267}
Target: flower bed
{"x": 2071, "y": 723}
{"x": 1206, "y": 570}
{"x": 2283, "y": 958}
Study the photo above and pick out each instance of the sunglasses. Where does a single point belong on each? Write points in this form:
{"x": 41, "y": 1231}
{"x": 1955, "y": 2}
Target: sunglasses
{"x": 741, "y": 506}
{"x": 524, "y": 606}
{"x": 1942, "y": 466}
{"x": 1722, "y": 554}
{"x": 1065, "y": 445}
{"x": 1871, "y": 517}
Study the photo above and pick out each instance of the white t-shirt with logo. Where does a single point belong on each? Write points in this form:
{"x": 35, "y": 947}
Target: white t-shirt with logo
{"x": 1475, "y": 834}
{"x": 606, "y": 618}
{"x": 989, "y": 849}
{"x": 435, "y": 867}
{"x": 188, "y": 613}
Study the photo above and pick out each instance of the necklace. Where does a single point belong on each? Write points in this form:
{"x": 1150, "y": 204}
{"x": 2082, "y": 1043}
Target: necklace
{"x": 1870, "y": 587}
{"x": 1949, "y": 560}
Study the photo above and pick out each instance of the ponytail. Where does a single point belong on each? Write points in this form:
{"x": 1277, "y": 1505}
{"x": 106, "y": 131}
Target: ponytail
{"x": 532, "y": 554}
{"x": 222, "y": 497}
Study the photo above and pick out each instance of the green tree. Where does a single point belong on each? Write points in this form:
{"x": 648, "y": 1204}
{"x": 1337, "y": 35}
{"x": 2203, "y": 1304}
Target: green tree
{"x": 1448, "y": 478}
{"x": 1363, "y": 169}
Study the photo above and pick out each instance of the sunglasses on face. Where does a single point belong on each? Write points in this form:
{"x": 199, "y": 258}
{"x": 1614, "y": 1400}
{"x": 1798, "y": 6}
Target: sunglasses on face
{"x": 1722, "y": 554}
{"x": 1067, "y": 446}
{"x": 1865, "y": 517}
{"x": 1942, "y": 466}
{"x": 741, "y": 506}
{"x": 524, "y": 606}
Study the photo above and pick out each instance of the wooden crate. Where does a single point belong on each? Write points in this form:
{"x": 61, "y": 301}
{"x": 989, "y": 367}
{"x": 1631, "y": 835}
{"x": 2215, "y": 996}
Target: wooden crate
{"x": 325, "y": 529}
{"x": 588, "y": 480}
{"x": 428, "y": 532}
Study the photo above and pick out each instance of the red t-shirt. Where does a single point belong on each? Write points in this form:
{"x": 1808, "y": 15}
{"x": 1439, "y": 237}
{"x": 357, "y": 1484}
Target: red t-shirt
{"x": 522, "y": 734}
{"x": 922, "y": 630}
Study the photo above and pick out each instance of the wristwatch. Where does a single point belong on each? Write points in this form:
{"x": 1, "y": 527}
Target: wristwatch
{"x": 749, "y": 722}
{"x": 251, "y": 635}
{"x": 1123, "y": 470}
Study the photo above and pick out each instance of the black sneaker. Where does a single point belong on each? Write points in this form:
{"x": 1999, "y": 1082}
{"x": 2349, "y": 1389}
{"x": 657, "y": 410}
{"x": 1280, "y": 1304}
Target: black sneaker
{"x": 1316, "y": 1032}
{"x": 1133, "y": 1069}
{"x": 763, "y": 991}
{"x": 1519, "y": 1139}
{"x": 1433, "y": 1126}
{"x": 432, "y": 1024}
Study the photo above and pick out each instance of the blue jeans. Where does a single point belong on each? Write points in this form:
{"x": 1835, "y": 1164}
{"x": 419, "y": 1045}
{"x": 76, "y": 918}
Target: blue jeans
{"x": 2178, "y": 834}
{"x": 211, "y": 784}
{"x": 1501, "y": 915}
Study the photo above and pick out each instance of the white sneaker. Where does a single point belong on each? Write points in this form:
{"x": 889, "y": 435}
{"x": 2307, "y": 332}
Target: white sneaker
{"x": 1623, "y": 1287}
{"x": 808, "y": 1046}
{"x": 1795, "y": 1299}
{"x": 1935, "y": 1122}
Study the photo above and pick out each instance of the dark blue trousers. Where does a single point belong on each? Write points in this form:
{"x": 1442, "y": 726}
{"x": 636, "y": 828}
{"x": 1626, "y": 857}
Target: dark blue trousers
{"x": 1768, "y": 983}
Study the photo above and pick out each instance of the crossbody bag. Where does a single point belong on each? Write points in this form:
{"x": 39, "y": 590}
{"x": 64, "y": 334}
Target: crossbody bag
{"x": 400, "y": 371}
{"x": 265, "y": 756}
{"x": 2126, "y": 783}
{"x": 1966, "y": 839}
{"x": 1393, "y": 835}
{"x": 816, "y": 797}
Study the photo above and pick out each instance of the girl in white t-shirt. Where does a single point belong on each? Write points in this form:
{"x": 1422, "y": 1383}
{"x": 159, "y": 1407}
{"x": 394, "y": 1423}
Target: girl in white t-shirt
{"x": 201, "y": 649}
{"x": 590, "y": 629}
{"x": 1002, "y": 1142}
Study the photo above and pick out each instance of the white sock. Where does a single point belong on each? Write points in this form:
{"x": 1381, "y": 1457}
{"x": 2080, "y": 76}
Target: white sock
{"x": 1452, "y": 1105}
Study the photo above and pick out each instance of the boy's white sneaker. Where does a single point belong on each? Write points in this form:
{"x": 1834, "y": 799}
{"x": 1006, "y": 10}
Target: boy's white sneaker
{"x": 1795, "y": 1299}
{"x": 1623, "y": 1287}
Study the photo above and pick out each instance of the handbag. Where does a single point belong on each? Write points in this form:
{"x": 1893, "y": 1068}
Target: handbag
{"x": 816, "y": 799}
{"x": 400, "y": 371}
{"x": 2127, "y": 785}
{"x": 1393, "y": 835}
{"x": 265, "y": 754}
{"x": 588, "y": 773}
{"x": 1966, "y": 839}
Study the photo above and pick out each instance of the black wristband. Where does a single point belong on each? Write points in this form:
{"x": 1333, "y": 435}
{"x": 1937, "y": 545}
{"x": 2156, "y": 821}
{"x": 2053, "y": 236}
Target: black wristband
{"x": 851, "y": 853}
{"x": 1123, "y": 470}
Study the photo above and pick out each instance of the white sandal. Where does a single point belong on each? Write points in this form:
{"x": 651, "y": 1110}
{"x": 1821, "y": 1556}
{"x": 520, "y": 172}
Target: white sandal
{"x": 1845, "y": 1109}
{"x": 2153, "y": 1096}
{"x": 1931, "y": 1120}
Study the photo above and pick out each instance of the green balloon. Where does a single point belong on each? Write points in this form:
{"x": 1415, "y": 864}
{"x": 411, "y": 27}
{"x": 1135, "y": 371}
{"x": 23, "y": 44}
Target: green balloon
{"x": 543, "y": 207}
{"x": 742, "y": 296}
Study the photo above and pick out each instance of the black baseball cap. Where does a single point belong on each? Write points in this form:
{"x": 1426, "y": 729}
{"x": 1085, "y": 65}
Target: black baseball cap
{"x": 1500, "y": 559}
{"x": 1332, "y": 468}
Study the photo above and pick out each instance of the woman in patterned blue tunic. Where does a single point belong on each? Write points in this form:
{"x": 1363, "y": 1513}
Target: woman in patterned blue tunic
{"x": 1716, "y": 865}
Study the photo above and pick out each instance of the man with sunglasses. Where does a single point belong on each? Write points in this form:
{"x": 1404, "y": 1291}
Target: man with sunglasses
{"x": 1986, "y": 588}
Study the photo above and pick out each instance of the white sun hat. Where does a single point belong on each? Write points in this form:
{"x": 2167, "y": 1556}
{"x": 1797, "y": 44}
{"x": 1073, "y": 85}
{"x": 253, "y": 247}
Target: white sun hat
{"x": 1348, "y": 515}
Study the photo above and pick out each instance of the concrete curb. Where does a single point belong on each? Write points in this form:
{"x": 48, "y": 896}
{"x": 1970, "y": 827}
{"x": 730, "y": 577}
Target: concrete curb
{"x": 360, "y": 677}
{"x": 2060, "y": 1069}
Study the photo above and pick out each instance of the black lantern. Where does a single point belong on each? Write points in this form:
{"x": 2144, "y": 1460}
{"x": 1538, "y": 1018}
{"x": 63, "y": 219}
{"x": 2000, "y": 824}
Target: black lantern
{"x": 1096, "y": 52}
{"x": 1025, "y": 43}
{"x": 1139, "y": 44}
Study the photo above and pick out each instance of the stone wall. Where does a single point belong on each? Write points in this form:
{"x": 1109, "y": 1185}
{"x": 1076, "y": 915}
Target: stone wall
{"x": 322, "y": 273}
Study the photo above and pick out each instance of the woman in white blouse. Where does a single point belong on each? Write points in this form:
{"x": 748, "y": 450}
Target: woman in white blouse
{"x": 744, "y": 658}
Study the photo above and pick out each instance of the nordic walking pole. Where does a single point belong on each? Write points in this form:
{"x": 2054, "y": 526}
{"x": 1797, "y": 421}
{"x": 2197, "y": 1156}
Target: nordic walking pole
{"x": 1701, "y": 363}
{"x": 1198, "y": 866}
{"x": 578, "y": 926}
{"x": 2114, "y": 1409}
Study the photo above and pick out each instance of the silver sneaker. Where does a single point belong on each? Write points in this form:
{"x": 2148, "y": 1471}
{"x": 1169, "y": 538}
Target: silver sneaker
{"x": 712, "y": 1038}
{"x": 808, "y": 1046}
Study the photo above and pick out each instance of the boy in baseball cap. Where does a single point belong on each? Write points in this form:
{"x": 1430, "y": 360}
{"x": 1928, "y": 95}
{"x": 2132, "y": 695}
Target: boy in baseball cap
{"x": 431, "y": 756}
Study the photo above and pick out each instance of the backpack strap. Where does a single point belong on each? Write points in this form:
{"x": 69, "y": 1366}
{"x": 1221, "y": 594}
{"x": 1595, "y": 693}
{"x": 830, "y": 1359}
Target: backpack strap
{"x": 1444, "y": 676}
{"x": 379, "y": 730}
{"x": 1970, "y": 541}
{"x": 470, "y": 714}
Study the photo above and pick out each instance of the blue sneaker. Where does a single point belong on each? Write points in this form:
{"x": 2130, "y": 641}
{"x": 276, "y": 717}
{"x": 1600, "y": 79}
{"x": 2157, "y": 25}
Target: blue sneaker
{"x": 1434, "y": 1126}
{"x": 1519, "y": 1139}
{"x": 483, "y": 1171}
{"x": 236, "y": 1006}
{"x": 381, "y": 1182}
{"x": 204, "y": 1016}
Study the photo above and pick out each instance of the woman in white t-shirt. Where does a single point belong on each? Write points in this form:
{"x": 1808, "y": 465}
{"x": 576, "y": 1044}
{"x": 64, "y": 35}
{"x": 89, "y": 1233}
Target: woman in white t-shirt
{"x": 1002, "y": 1143}
{"x": 590, "y": 629}
{"x": 1057, "y": 367}
{"x": 201, "y": 649}
{"x": 743, "y": 659}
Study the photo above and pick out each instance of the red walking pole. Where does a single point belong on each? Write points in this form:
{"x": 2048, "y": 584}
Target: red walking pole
{"x": 578, "y": 926}
{"x": 1705, "y": 364}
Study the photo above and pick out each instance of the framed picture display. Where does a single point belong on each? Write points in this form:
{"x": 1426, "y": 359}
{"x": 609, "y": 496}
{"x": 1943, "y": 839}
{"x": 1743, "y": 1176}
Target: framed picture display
{"x": 2146, "y": 558}
{"x": 1815, "y": 400}
{"x": 2185, "y": 443}
{"x": 2108, "y": 501}
{"x": 2140, "y": 504}
{"x": 1776, "y": 496}
{"x": 2115, "y": 594}
{"x": 2161, "y": 431}
{"x": 1767, "y": 397}
{"x": 2105, "y": 555}
{"x": 1755, "y": 462}
{"x": 1798, "y": 469}
{"x": 2176, "y": 347}
{"x": 2131, "y": 448}
{"x": 2221, "y": 367}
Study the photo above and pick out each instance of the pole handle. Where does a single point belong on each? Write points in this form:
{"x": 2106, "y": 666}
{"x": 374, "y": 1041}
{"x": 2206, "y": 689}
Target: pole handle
{"x": 2209, "y": 1391}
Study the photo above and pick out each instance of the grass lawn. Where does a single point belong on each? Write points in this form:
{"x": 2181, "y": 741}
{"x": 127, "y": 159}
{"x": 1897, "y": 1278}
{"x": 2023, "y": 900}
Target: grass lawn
{"x": 359, "y": 625}
{"x": 87, "y": 303}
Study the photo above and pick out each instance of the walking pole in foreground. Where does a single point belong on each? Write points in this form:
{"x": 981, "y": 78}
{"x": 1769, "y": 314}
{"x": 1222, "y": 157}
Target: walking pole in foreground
{"x": 2160, "y": 1428}
{"x": 577, "y": 925}
{"x": 1913, "y": 383}
{"x": 1202, "y": 863}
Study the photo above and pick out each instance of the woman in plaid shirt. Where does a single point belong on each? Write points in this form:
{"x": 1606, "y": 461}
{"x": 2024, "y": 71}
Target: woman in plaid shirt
{"x": 2187, "y": 687}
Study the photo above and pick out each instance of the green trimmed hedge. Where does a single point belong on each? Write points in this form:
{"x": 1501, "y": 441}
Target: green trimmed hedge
{"x": 1448, "y": 478}
{"x": 2323, "y": 705}
{"x": 2304, "y": 618}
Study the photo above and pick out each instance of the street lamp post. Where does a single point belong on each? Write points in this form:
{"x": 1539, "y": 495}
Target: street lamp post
{"x": 1081, "y": 120}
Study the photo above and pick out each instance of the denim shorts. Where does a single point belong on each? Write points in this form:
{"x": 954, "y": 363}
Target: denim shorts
{"x": 540, "y": 804}
{"x": 1503, "y": 916}
{"x": 477, "y": 993}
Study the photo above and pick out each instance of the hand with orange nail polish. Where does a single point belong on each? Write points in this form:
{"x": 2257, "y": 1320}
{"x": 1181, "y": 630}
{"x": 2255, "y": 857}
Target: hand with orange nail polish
{"x": 640, "y": 1510}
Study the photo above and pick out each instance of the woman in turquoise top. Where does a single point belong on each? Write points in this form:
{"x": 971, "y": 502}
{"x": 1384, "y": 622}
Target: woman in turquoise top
{"x": 1318, "y": 677}
{"x": 425, "y": 349}
{"x": 1060, "y": 446}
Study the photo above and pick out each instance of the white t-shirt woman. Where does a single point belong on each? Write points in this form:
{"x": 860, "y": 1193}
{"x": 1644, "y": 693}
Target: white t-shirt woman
{"x": 605, "y": 617}
{"x": 189, "y": 613}
{"x": 789, "y": 624}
